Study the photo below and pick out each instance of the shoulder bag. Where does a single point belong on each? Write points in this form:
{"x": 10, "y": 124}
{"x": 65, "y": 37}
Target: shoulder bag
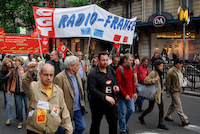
{"x": 13, "y": 83}
{"x": 149, "y": 91}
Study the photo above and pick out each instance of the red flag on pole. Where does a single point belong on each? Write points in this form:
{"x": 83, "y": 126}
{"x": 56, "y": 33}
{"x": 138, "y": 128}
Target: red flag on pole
{"x": 34, "y": 32}
{"x": 117, "y": 46}
{"x": 62, "y": 48}
{"x": 2, "y": 30}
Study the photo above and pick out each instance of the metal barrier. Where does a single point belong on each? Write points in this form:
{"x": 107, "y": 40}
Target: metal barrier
{"x": 191, "y": 71}
{"x": 193, "y": 75}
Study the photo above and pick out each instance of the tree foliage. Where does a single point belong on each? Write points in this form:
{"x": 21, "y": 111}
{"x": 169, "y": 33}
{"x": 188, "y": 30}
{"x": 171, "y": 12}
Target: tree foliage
{"x": 13, "y": 12}
{"x": 77, "y": 3}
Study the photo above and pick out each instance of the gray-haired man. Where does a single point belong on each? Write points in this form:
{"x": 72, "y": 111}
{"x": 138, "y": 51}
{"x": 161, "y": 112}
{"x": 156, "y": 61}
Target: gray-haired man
{"x": 70, "y": 81}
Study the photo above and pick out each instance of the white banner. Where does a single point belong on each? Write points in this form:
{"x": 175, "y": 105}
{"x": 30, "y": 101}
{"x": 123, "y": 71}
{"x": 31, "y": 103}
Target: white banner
{"x": 84, "y": 21}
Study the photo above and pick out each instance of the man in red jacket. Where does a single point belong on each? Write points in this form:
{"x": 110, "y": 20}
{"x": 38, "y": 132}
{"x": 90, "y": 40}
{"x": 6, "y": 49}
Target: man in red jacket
{"x": 126, "y": 83}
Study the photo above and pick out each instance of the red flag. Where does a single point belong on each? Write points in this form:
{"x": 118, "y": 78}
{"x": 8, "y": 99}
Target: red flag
{"x": 49, "y": 3}
{"x": 62, "y": 48}
{"x": 117, "y": 46}
{"x": 35, "y": 32}
{"x": 2, "y": 30}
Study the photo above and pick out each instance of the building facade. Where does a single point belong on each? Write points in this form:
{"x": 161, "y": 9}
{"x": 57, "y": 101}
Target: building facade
{"x": 151, "y": 35}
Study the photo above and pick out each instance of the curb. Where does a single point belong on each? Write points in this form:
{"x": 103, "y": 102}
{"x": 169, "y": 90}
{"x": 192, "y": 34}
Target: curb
{"x": 192, "y": 93}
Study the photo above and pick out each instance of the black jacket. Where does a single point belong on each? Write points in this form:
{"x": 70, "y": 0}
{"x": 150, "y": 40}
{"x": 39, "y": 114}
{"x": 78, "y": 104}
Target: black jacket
{"x": 57, "y": 70}
{"x": 98, "y": 83}
{"x": 4, "y": 79}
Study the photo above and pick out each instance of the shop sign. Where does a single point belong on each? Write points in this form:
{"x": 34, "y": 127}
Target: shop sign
{"x": 159, "y": 21}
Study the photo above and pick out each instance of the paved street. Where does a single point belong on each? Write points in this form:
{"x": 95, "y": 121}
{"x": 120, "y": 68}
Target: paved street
{"x": 191, "y": 106}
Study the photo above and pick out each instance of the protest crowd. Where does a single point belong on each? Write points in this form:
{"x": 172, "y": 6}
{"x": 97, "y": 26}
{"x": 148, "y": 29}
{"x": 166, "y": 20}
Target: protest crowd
{"x": 55, "y": 91}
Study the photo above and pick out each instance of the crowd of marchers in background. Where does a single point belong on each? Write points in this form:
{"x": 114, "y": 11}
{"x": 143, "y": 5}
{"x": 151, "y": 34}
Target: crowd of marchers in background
{"x": 55, "y": 91}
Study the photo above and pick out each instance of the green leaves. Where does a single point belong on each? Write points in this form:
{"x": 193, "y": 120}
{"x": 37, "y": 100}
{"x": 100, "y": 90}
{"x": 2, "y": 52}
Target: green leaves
{"x": 77, "y": 3}
{"x": 13, "y": 12}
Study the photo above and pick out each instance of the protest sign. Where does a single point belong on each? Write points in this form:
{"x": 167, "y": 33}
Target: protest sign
{"x": 22, "y": 44}
{"x": 86, "y": 21}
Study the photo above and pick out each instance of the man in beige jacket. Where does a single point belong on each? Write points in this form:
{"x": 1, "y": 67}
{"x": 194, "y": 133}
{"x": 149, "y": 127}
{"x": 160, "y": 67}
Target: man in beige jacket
{"x": 47, "y": 109}
{"x": 69, "y": 80}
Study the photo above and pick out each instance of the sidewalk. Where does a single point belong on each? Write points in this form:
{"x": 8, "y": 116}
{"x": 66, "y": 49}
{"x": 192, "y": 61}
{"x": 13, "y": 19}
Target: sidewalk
{"x": 193, "y": 93}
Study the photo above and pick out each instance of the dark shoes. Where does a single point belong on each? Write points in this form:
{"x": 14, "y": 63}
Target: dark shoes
{"x": 168, "y": 119}
{"x": 186, "y": 122}
{"x": 162, "y": 126}
{"x": 126, "y": 132}
{"x": 141, "y": 120}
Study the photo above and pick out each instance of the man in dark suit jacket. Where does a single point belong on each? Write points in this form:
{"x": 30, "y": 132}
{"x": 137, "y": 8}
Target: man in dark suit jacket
{"x": 58, "y": 66}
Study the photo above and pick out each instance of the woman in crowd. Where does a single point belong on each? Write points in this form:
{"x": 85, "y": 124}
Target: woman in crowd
{"x": 19, "y": 92}
{"x": 6, "y": 69}
{"x": 156, "y": 77}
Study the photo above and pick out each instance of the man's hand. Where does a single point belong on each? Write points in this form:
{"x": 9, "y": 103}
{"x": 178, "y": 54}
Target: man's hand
{"x": 136, "y": 83}
{"x": 134, "y": 96}
{"x": 116, "y": 88}
{"x": 9, "y": 93}
{"x": 185, "y": 79}
{"x": 32, "y": 66}
{"x": 110, "y": 99}
{"x": 168, "y": 95}
{"x": 127, "y": 97}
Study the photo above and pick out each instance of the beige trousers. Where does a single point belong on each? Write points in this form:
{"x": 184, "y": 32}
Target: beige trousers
{"x": 176, "y": 104}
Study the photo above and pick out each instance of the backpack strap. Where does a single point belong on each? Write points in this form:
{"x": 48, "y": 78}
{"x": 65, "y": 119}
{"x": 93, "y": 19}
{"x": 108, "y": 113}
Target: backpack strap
{"x": 155, "y": 74}
{"x": 122, "y": 70}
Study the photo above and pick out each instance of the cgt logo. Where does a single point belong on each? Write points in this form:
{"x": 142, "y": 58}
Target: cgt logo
{"x": 159, "y": 21}
{"x": 44, "y": 21}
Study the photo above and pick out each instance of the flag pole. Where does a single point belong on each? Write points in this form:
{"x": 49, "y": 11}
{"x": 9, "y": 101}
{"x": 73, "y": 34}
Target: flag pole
{"x": 40, "y": 45}
{"x": 88, "y": 47}
{"x": 70, "y": 51}
{"x": 89, "y": 40}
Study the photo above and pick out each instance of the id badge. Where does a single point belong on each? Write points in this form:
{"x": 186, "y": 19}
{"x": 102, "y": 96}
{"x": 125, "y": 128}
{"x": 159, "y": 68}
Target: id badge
{"x": 43, "y": 105}
{"x": 41, "y": 115}
{"x": 54, "y": 112}
{"x": 108, "y": 89}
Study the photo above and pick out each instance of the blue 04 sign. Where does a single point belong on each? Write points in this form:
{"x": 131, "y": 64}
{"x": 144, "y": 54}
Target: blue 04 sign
{"x": 159, "y": 21}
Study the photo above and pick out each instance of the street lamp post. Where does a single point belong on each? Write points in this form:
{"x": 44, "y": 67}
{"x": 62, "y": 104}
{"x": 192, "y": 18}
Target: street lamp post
{"x": 184, "y": 42}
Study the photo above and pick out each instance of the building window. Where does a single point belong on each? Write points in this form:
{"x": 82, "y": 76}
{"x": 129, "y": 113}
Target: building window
{"x": 128, "y": 10}
{"x": 159, "y": 6}
{"x": 188, "y": 3}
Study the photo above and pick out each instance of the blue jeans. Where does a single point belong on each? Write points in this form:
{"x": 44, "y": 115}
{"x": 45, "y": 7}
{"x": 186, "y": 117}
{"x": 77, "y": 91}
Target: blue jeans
{"x": 8, "y": 106}
{"x": 124, "y": 116}
{"x": 18, "y": 99}
{"x": 60, "y": 130}
{"x": 140, "y": 100}
{"x": 79, "y": 122}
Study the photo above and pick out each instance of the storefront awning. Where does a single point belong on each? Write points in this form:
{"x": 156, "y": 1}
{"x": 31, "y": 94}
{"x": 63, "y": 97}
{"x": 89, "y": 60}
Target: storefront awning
{"x": 169, "y": 21}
